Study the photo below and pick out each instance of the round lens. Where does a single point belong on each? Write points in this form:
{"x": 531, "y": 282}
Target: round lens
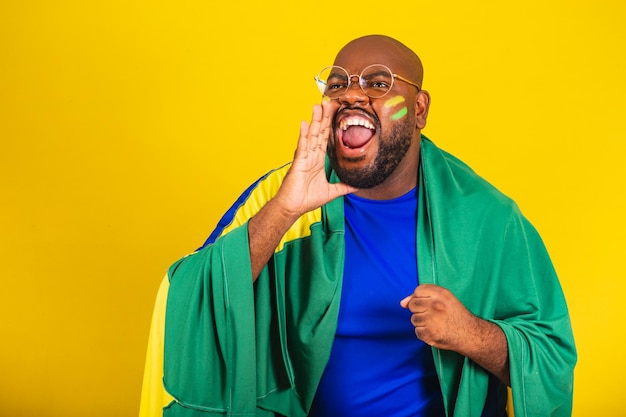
{"x": 332, "y": 81}
{"x": 376, "y": 80}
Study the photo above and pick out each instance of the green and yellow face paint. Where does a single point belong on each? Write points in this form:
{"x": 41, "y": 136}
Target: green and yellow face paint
{"x": 395, "y": 102}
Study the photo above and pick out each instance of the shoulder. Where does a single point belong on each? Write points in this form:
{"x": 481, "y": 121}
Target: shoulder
{"x": 452, "y": 184}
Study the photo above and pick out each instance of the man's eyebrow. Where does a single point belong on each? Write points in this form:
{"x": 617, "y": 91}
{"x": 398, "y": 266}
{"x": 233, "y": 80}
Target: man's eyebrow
{"x": 338, "y": 75}
{"x": 377, "y": 74}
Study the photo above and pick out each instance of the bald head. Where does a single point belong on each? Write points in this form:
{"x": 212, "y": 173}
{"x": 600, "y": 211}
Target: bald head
{"x": 380, "y": 49}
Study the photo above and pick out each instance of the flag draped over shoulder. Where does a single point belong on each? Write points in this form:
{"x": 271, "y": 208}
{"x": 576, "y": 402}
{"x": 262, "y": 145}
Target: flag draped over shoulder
{"x": 233, "y": 348}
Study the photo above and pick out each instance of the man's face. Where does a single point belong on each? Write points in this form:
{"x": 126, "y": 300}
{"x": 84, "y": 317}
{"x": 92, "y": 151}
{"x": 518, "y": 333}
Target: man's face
{"x": 371, "y": 136}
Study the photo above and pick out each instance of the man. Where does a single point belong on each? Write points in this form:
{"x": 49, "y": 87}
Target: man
{"x": 374, "y": 275}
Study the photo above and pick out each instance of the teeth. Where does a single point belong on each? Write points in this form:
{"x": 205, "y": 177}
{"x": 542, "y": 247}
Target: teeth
{"x": 355, "y": 121}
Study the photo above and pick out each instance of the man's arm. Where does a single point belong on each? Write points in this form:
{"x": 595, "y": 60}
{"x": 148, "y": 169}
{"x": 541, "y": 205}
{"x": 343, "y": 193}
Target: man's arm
{"x": 442, "y": 321}
{"x": 305, "y": 188}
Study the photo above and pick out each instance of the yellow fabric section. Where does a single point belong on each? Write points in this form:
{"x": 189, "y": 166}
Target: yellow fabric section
{"x": 153, "y": 394}
{"x": 509, "y": 402}
{"x": 264, "y": 192}
{"x": 301, "y": 228}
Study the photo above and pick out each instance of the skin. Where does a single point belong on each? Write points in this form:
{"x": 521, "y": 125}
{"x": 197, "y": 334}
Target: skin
{"x": 439, "y": 318}
{"x": 404, "y": 62}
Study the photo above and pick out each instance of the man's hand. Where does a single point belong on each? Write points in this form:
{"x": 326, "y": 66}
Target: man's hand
{"x": 305, "y": 187}
{"x": 442, "y": 321}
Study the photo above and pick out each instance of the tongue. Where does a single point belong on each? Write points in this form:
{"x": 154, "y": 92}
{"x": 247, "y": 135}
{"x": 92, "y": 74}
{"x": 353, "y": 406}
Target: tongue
{"x": 357, "y": 136}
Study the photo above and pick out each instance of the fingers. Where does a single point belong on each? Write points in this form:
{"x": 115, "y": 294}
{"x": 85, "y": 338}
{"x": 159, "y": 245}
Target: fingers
{"x": 422, "y": 291}
{"x": 439, "y": 318}
{"x": 314, "y": 135}
{"x": 304, "y": 132}
{"x": 325, "y": 125}
{"x": 316, "y": 122}
{"x": 320, "y": 125}
{"x": 421, "y": 319}
{"x": 318, "y": 130}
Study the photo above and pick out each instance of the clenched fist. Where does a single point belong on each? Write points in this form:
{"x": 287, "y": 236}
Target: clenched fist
{"x": 442, "y": 321}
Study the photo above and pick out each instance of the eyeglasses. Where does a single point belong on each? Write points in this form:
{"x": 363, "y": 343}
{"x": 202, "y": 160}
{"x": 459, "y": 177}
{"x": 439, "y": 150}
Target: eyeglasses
{"x": 375, "y": 81}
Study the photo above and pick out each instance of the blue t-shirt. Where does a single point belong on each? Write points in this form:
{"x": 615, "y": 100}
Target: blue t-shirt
{"x": 377, "y": 366}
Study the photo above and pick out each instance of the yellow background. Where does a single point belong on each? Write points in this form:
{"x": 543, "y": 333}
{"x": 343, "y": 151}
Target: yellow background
{"x": 128, "y": 127}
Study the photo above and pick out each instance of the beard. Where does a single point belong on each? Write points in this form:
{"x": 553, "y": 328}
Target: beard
{"x": 391, "y": 151}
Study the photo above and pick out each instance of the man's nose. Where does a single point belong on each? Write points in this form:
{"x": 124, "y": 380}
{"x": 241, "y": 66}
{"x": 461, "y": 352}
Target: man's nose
{"x": 354, "y": 93}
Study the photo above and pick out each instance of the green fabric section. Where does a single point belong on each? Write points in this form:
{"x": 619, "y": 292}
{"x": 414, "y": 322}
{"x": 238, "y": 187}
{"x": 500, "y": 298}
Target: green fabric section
{"x": 487, "y": 254}
{"x": 225, "y": 353}
{"x": 232, "y": 348}
{"x": 305, "y": 288}
{"x": 178, "y": 410}
{"x": 209, "y": 332}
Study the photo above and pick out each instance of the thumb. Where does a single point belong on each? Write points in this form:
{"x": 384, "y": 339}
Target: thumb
{"x": 339, "y": 189}
{"x": 405, "y": 301}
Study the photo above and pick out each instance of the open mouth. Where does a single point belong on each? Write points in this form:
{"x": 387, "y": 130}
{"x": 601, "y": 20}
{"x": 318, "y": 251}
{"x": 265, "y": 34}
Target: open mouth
{"x": 355, "y": 131}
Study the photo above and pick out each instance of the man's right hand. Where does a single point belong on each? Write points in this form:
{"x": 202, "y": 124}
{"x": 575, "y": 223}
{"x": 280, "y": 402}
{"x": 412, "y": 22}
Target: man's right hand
{"x": 304, "y": 188}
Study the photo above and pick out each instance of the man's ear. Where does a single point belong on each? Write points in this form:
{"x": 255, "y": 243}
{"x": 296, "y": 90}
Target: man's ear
{"x": 422, "y": 103}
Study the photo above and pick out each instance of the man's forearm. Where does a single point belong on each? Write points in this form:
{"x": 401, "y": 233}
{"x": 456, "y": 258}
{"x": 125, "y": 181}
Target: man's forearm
{"x": 265, "y": 230}
{"x": 489, "y": 349}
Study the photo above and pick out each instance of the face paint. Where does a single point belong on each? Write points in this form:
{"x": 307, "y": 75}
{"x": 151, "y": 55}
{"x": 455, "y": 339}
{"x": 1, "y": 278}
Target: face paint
{"x": 394, "y": 101}
{"x": 399, "y": 115}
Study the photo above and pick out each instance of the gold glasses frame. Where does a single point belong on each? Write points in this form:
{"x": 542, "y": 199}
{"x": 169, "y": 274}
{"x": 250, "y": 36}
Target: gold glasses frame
{"x": 362, "y": 82}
